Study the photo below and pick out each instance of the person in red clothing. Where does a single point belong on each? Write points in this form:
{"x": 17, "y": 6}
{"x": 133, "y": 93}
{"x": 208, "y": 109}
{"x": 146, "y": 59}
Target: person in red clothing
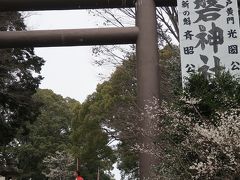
{"x": 77, "y": 175}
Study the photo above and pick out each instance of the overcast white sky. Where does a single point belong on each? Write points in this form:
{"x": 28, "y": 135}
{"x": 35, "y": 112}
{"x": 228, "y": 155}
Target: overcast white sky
{"x": 68, "y": 71}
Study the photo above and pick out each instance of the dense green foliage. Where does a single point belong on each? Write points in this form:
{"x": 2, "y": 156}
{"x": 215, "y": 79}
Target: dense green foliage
{"x": 215, "y": 94}
{"x": 48, "y": 134}
{"x": 212, "y": 106}
{"x": 19, "y": 72}
{"x": 113, "y": 107}
{"x": 90, "y": 143}
{"x": 35, "y": 128}
{"x": 67, "y": 130}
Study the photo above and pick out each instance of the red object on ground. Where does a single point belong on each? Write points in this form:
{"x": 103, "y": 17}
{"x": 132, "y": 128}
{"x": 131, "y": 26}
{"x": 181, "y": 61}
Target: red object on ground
{"x": 79, "y": 178}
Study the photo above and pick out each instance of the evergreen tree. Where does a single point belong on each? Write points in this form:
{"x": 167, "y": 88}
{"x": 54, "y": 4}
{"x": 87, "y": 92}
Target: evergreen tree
{"x": 214, "y": 94}
{"x": 113, "y": 107}
{"x": 48, "y": 135}
{"x": 90, "y": 143}
{"x": 19, "y": 79}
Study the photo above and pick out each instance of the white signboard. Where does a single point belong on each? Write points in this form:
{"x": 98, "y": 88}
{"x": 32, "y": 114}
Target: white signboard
{"x": 209, "y": 36}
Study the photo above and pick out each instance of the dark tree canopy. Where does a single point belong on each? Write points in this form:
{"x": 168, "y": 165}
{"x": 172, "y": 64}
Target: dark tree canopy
{"x": 48, "y": 134}
{"x": 19, "y": 79}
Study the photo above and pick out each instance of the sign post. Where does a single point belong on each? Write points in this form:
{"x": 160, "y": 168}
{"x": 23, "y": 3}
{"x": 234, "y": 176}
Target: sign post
{"x": 209, "y": 37}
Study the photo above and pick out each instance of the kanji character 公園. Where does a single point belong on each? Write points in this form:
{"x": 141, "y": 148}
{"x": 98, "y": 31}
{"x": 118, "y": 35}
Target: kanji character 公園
{"x": 233, "y": 49}
{"x": 235, "y": 65}
{"x": 190, "y": 68}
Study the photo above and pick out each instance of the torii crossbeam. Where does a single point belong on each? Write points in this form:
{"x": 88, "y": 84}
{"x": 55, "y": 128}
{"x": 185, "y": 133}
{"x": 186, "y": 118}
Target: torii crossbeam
{"x": 31, "y": 5}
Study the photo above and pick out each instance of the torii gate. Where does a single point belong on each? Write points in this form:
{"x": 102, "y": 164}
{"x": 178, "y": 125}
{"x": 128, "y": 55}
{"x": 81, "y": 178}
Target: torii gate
{"x": 144, "y": 35}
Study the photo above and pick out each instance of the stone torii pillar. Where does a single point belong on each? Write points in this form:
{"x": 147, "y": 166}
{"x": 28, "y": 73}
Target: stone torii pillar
{"x": 147, "y": 75}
